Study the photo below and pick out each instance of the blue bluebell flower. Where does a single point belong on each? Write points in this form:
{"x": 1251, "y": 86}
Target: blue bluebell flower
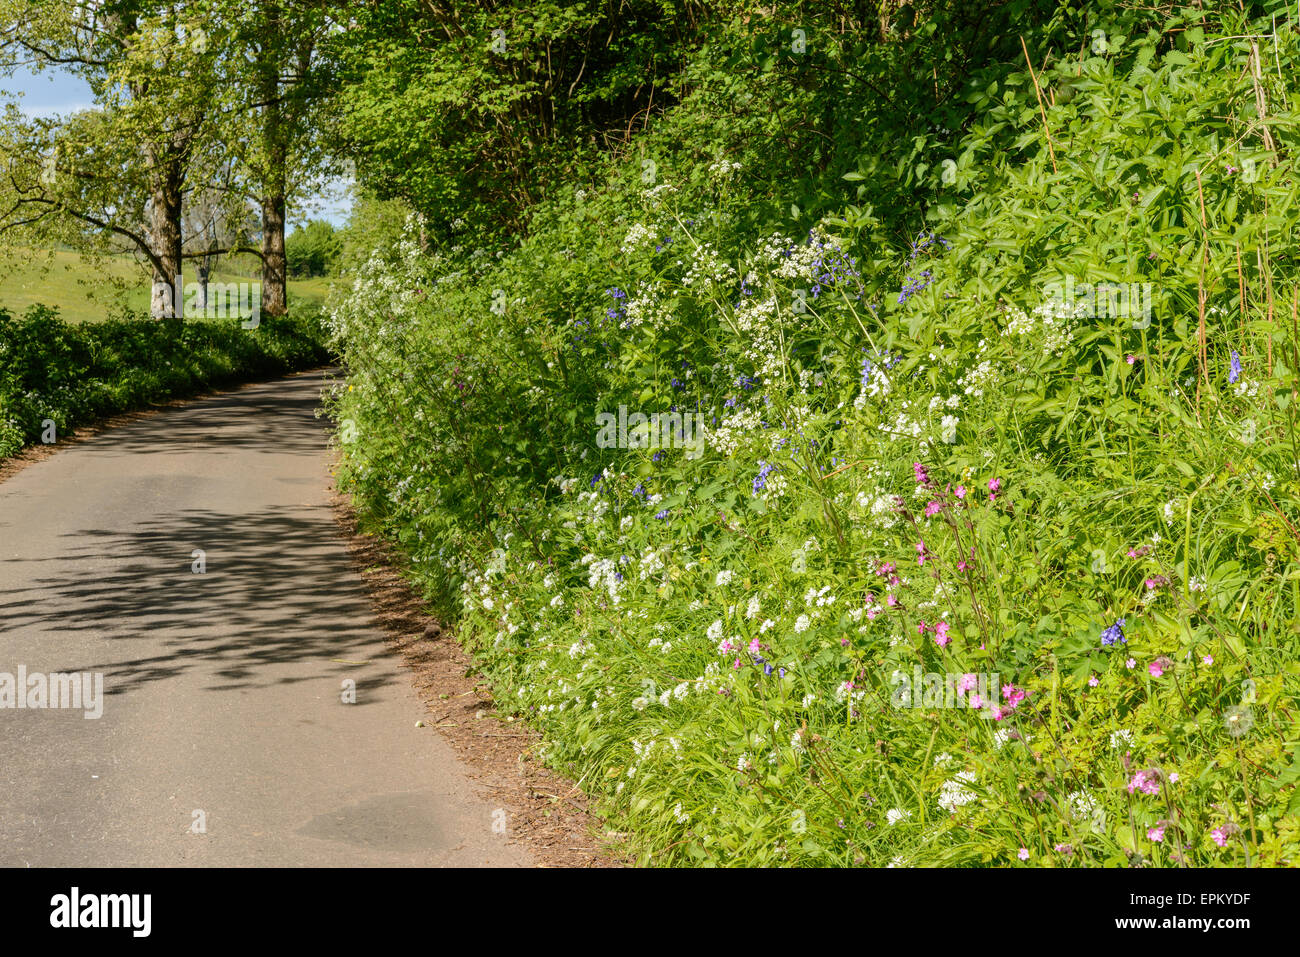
{"x": 764, "y": 470}
{"x": 1114, "y": 633}
{"x": 913, "y": 286}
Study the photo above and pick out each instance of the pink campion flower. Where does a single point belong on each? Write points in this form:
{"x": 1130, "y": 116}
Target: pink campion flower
{"x": 922, "y": 476}
{"x": 873, "y": 612}
{"x": 891, "y": 600}
{"x": 934, "y": 508}
{"x": 941, "y": 634}
{"x": 753, "y": 646}
{"x": 962, "y": 566}
{"x": 920, "y": 629}
{"x": 1130, "y": 359}
{"x": 886, "y": 568}
{"x": 960, "y": 491}
{"x": 966, "y": 683}
{"x": 737, "y": 664}
{"x": 1066, "y": 849}
{"x": 1218, "y": 836}
{"x": 995, "y": 484}
{"x": 1147, "y": 781}
{"x": 1138, "y": 552}
{"x": 1160, "y": 666}
{"x": 920, "y": 552}
{"x": 1207, "y": 660}
{"x": 1157, "y": 833}
{"x": 976, "y": 701}
{"x": 1014, "y": 696}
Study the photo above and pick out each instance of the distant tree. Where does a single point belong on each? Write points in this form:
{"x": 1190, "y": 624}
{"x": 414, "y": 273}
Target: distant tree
{"x": 313, "y": 250}
{"x": 218, "y": 217}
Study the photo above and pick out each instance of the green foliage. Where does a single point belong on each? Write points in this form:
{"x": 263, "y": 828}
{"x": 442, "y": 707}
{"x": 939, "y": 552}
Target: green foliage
{"x": 471, "y": 112}
{"x": 936, "y": 440}
{"x": 313, "y": 250}
{"x": 70, "y": 375}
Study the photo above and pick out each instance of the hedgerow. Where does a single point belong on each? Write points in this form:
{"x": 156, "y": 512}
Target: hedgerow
{"x": 926, "y": 452}
{"x": 55, "y": 376}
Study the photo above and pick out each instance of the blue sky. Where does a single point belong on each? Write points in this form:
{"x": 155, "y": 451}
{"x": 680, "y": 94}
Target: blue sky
{"x": 57, "y": 92}
{"x": 48, "y": 93}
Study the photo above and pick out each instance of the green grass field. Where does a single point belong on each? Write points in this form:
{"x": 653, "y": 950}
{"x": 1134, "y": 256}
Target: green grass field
{"x": 85, "y": 291}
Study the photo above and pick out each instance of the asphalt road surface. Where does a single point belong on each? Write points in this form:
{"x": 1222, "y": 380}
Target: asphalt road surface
{"x": 224, "y": 737}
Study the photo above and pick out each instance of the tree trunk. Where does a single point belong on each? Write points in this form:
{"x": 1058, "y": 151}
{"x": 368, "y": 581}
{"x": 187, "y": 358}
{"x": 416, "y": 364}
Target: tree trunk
{"x": 165, "y": 237}
{"x": 275, "y": 299}
{"x": 275, "y": 144}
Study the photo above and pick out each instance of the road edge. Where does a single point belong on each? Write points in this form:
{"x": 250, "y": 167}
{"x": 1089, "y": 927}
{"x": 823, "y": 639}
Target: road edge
{"x": 547, "y": 813}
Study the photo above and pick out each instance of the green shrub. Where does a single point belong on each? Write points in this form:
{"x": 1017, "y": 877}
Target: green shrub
{"x": 71, "y": 374}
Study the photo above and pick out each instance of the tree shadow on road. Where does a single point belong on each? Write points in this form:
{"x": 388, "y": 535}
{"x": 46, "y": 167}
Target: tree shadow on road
{"x": 256, "y": 418}
{"x": 278, "y": 590}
